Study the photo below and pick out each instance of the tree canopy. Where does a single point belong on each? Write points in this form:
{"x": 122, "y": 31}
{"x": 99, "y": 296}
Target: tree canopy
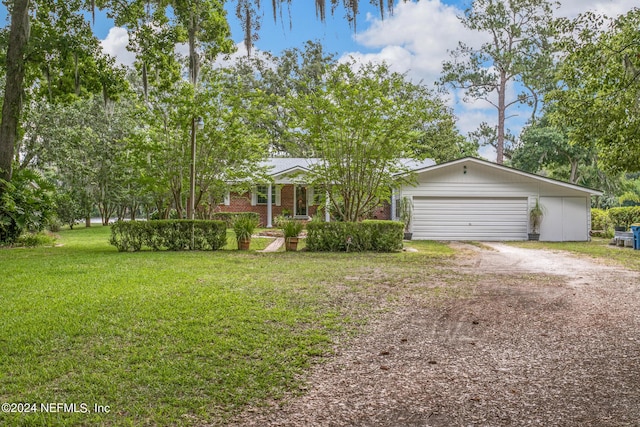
{"x": 598, "y": 88}
{"x": 360, "y": 124}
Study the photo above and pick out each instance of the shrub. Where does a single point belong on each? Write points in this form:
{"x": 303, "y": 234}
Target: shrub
{"x": 291, "y": 227}
{"x": 31, "y": 240}
{"x": 243, "y": 226}
{"x": 625, "y": 216}
{"x": 67, "y": 209}
{"x": 175, "y": 235}
{"x": 26, "y": 204}
{"x": 378, "y": 236}
{"x": 230, "y": 217}
{"x": 601, "y": 223}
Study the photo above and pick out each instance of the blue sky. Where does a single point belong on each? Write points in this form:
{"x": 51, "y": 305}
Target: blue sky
{"x": 415, "y": 40}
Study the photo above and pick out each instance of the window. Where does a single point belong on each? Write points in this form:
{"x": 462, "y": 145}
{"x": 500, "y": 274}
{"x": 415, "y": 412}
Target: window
{"x": 261, "y": 194}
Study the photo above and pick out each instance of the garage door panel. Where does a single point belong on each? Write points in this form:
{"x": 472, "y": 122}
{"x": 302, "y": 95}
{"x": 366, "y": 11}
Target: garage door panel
{"x": 470, "y": 218}
{"x": 565, "y": 219}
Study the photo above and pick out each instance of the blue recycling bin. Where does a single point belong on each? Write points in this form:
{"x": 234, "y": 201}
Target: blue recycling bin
{"x": 636, "y": 236}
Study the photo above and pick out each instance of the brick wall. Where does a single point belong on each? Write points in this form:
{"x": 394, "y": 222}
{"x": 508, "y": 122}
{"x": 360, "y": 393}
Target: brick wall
{"x": 242, "y": 203}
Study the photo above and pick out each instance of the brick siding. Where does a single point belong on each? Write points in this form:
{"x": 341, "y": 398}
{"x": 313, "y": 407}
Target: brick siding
{"x": 242, "y": 203}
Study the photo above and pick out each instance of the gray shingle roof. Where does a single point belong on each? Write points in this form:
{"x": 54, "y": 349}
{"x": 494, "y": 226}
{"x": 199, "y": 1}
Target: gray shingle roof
{"x": 279, "y": 165}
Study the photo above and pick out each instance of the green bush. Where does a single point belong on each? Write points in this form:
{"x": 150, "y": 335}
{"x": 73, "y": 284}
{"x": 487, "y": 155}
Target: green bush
{"x": 291, "y": 227}
{"x": 378, "y": 236}
{"x": 625, "y": 216}
{"x": 601, "y": 223}
{"x": 230, "y": 217}
{"x": 26, "y": 204}
{"x": 243, "y": 226}
{"x": 67, "y": 209}
{"x": 32, "y": 240}
{"x": 175, "y": 235}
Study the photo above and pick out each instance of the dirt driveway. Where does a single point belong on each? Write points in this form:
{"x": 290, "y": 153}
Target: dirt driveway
{"x": 526, "y": 337}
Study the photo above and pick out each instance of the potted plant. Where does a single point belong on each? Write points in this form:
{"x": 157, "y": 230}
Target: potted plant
{"x": 243, "y": 227}
{"x": 535, "y": 217}
{"x": 291, "y": 230}
{"x": 406, "y": 212}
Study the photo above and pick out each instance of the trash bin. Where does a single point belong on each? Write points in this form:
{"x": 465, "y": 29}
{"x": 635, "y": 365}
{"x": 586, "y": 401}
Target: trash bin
{"x": 636, "y": 236}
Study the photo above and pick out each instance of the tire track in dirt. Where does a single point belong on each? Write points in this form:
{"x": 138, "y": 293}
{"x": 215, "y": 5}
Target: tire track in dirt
{"x": 540, "y": 338}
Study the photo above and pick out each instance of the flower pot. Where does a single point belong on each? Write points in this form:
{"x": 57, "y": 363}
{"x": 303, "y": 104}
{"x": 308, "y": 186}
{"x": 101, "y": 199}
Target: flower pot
{"x": 291, "y": 244}
{"x": 408, "y": 235}
{"x": 534, "y": 236}
{"x": 243, "y": 245}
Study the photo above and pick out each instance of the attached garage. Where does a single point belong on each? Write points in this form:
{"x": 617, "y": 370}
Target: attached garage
{"x": 469, "y": 218}
{"x": 472, "y": 199}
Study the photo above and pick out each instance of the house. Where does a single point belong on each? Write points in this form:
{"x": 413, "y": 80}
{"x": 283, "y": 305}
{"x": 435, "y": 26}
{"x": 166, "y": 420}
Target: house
{"x": 472, "y": 199}
{"x": 289, "y": 194}
{"x": 465, "y": 199}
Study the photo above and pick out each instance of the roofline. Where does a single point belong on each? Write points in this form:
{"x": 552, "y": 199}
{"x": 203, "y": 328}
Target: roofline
{"x": 513, "y": 170}
{"x": 291, "y": 169}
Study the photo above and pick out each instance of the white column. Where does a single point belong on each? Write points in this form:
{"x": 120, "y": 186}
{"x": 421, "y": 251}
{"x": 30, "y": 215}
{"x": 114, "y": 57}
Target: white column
{"x": 269, "y": 207}
{"x": 327, "y": 205}
{"x": 393, "y": 205}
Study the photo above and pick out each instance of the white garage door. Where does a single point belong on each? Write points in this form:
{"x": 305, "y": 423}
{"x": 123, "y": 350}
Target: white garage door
{"x": 492, "y": 219}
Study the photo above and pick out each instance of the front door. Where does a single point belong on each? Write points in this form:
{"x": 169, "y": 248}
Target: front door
{"x": 300, "y": 201}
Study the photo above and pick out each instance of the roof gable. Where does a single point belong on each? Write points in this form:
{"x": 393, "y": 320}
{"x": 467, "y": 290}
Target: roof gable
{"x": 281, "y": 166}
{"x": 468, "y": 161}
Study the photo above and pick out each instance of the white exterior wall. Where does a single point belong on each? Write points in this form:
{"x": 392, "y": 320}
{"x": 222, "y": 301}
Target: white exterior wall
{"x": 469, "y": 194}
{"x": 565, "y": 219}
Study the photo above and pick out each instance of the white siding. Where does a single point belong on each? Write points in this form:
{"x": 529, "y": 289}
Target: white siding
{"x": 565, "y": 219}
{"x": 476, "y": 200}
{"x": 470, "y": 218}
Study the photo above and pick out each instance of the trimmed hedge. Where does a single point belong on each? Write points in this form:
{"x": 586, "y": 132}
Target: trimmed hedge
{"x": 377, "y": 236}
{"x": 600, "y": 223}
{"x": 174, "y": 235}
{"x": 624, "y": 216}
{"x": 230, "y": 217}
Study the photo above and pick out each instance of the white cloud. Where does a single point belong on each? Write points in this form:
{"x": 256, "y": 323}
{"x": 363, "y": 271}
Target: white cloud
{"x": 416, "y": 39}
{"x": 611, "y": 8}
{"x": 115, "y": 44}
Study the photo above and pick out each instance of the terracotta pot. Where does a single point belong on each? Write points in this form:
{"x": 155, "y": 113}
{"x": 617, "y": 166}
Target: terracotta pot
{"x": 243, "y": 245}
{"x": 291, "y": 244}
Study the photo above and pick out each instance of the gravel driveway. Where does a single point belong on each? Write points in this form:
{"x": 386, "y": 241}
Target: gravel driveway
{"x": 526, "y": 337}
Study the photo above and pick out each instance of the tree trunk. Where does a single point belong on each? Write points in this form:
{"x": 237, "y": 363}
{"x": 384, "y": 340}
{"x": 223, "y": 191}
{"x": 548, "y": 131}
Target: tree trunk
{"x": 12, "y": 107}
{"x": 574, "y": 171}
{"x": 501, "y": 117}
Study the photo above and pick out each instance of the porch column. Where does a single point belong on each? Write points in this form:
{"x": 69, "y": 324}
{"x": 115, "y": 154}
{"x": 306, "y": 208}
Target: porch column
{"x": 327, "y": 205}
{"x": 393, "y": 205}
{"x": 269, "y": 207}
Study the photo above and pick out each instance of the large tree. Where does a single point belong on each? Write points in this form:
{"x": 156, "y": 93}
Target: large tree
{"x": 296, "y": 71}
{"x": 360, "y": 123}
{"x": 154, "y": 34}
{"x": 515, "y": 56}
{"x": 15, "y": 69}
{"x": 598, "y": 89}
{"x": 51, "y": 52}
{"x": 545, "y": 146}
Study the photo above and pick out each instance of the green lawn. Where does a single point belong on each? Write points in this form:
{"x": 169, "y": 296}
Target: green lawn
{"x": 175, "y": 338}
{"x": 598, "y": 248}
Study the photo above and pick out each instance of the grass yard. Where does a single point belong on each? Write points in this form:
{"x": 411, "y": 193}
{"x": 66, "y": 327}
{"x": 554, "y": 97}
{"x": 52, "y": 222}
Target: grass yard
{"x": 175, "y": 338}
{"x": 598, "y": 248}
